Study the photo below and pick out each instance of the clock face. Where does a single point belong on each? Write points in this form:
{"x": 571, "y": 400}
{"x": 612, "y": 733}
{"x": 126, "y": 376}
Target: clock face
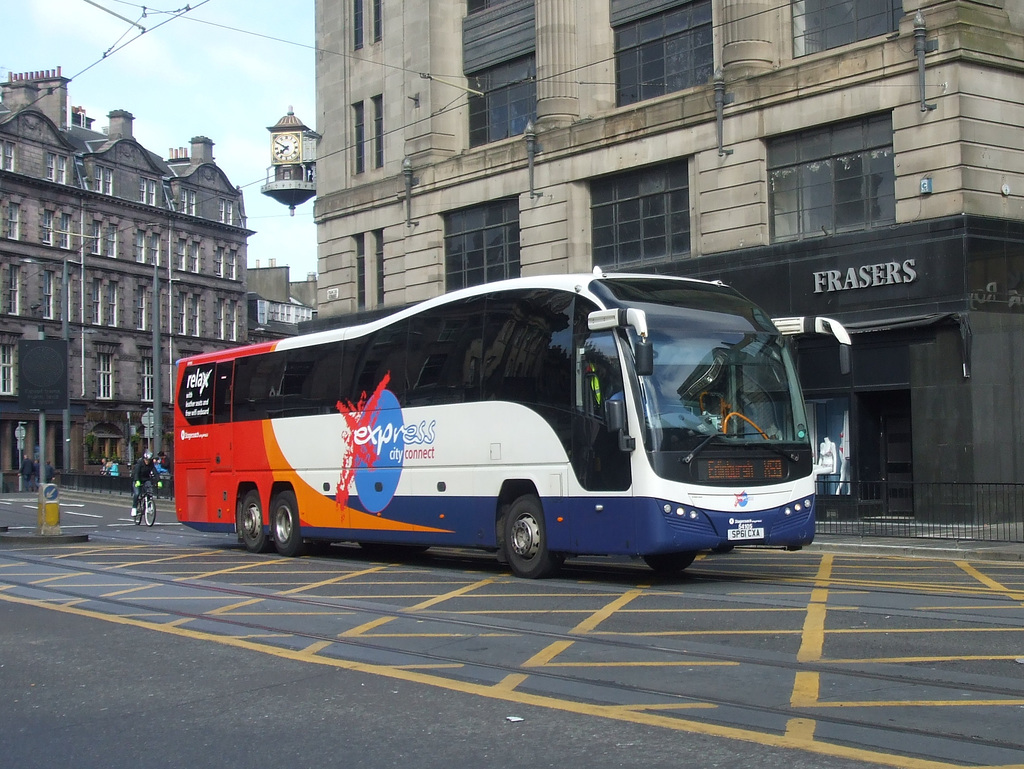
{"x": 286, "y": 147}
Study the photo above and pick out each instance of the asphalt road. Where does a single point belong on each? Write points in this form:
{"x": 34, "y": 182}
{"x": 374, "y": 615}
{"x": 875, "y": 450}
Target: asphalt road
{"x": 153, "y": 647}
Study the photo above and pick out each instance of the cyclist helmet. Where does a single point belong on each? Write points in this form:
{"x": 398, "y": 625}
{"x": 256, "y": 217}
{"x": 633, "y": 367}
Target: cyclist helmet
{"x": 148, "y": 455}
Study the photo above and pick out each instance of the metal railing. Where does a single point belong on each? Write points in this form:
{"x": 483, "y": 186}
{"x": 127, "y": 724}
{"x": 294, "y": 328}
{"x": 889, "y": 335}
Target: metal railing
{"x": 108, "y": 484}
{"x": 990, "y": 512}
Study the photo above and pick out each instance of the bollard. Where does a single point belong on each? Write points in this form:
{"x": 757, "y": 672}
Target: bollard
{"x": 50, "y": 514}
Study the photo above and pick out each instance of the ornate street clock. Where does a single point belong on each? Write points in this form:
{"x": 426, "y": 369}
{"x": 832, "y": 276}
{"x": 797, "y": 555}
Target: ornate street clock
{"x": 292, "y": 174}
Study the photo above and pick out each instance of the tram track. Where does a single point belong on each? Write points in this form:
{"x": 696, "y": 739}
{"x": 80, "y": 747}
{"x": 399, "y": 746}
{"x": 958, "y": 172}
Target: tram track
{"x": 475, "y": 625}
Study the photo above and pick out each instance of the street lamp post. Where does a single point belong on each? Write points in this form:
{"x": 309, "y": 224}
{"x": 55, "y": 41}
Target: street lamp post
{"x": 157, "y": 377}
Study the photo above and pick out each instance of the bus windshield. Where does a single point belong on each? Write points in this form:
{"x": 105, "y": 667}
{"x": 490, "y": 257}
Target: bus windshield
{"x": 735, "y": 383}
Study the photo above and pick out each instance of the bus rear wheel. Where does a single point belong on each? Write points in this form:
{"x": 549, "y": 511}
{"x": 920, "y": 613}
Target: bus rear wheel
{"x": 526, "y": 541}
{"x": 249, "y": 524}
{"x": 670, "y": 563}
{"x": 284, "y": 523}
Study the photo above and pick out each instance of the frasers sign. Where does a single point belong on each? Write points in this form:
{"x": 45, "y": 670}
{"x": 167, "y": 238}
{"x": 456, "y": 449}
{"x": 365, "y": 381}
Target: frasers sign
{"x": 865, "y": 276}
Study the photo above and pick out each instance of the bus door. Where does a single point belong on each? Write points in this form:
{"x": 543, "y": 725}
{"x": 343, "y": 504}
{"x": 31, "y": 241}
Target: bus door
{"x": 601, "y": 523}
{"x": 220, "y": 485}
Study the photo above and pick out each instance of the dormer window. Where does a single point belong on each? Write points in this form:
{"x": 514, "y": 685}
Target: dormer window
{"x": 188, "y": 202}
{"x": 227, "y": 211}
{"x": 57, "y": 168}
{"x": 147, "y": 191}
{"x": 104, "y": 180}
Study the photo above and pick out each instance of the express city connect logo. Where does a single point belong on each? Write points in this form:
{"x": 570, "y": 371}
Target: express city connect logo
{"x": 375, "y": 440}
{"x": 741, "y": 499}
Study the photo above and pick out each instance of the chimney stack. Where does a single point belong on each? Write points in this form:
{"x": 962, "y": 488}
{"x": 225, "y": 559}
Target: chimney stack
{"x": 120, "y": 126}
{"x": 202, "y": 150}
{"x": 45, "y": 90}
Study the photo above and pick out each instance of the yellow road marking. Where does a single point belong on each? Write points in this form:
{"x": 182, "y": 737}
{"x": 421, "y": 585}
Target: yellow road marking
{"x": 614, "y": 712}
{"x": 989, "y": 582}
{"x": 236, "y": 605}
{"x": 126, "y": 591}
{"x": 361, "y": 629}
{"x": 604, "y": 613}
{"x": 243, "y": 567}
{"x": 334, "y": 580}
{"x": 814, "y": 625}
{"x": 453, "y": 594}
{"x": 805, "y": 689}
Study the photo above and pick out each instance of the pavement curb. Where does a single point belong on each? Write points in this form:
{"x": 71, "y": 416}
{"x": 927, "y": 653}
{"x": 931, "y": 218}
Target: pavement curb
{"x": 975, "y": 552}
{"x": 35, "y": 538}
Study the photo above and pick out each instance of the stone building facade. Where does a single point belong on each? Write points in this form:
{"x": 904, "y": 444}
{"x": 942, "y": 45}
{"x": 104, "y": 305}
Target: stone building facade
{"x": 111, "y": 217}
{"x": 863, "y": 161}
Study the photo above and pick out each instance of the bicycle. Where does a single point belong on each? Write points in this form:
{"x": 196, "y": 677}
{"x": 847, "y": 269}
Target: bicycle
{"x": 146, "y": 505}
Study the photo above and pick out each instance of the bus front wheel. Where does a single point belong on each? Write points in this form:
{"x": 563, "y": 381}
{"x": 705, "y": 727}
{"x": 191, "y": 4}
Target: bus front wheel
{"x": 249, "y": 523}
{"x": 526, "y": 540}
{"x": 669, "y": 563}
{"x": 284, "y": 523}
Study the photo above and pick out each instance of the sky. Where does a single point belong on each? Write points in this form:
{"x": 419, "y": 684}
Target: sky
{"x": 227, "y": 69}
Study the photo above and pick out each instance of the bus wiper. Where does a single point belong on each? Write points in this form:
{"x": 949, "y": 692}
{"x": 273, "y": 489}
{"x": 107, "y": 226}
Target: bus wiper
{"x": 697, "y": 449}
{"x": 792, "y": 456}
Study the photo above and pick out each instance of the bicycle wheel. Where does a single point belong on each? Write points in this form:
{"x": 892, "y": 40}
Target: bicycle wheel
{"x": 141, "y": 505}
{"x": 149, "y": 509}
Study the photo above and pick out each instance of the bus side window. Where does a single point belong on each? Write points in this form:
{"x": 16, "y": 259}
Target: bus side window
{"x": 222, "y": 391}
{"x": 443, "y": 346}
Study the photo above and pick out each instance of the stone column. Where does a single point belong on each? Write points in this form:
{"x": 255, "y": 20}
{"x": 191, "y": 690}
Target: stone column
{"x": 747, "y": 44}
{"x": 557, "y": 76}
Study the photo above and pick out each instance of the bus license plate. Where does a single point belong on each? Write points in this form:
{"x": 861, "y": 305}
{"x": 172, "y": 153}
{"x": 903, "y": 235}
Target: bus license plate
{"x": 745, "y": 533}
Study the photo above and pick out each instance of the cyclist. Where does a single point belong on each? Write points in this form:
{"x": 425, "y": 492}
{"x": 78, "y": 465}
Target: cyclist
{"x": 145, "y": 470}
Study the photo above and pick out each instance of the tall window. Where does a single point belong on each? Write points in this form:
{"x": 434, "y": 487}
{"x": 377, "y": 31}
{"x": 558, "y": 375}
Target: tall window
{"x": 104, "y": 180}
{"x": 141, "y": 308}
{"x": 227, "y": 211}
{"x": 378, "y": 20}
{"x": 230, "y": 266}
{"x": 194, "y": 325}
{"x": 46, "y": 228}
{"x": 641, "y": 217}
{"x": 359, "y": 135}
{"x": 182, "y": 299}
{"x": 104, "y": 376}
{"x": 218, "y": 318}
{"x": 64, "y": 231}
{"x": 97, "y": 301}
{"x": 378, "y": 131}
{"x": 218, "y": 261}
{"x": 233, "y": 321}
{"x": 147, "y": 376}
{"x": 357, "y": 24}
{"x": 153, "y": 256}
{"x": 13, "y": 289}
{"x": 360, "y": 244}
{"x": 147, "y": 191}
{"x": 822, "y": 24}
{"x": 57, "y": 168}
{"x": 7, "y": 369}
{"x": 834, "y": 179}
{"x": 481, "y": 244}
{"x": 48, "y": 279}
{"x": 663, "y": 53}
{"x": 193, "y": 256}
{"x": 113, "y": 298}
{"x": 111, "y": 249}
{"x": 12, "y": 224}
{"x": 140, "y": 246}
{"x": 96, "y": 237}
{"x": 378, "y": 252}
{"x": 181, "y": 254}
{"x": 508, "y": 104}
{"x": 7, "y": 156}
{"x": 188, "y": 202}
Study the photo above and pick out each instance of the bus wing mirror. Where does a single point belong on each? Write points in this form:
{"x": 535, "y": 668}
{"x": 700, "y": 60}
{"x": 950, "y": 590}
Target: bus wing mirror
{"x": 643, "y": 357}
{"x": 819, "y": 325}
{"x": 601, "y": 320}
{"x": 615, "y": 417}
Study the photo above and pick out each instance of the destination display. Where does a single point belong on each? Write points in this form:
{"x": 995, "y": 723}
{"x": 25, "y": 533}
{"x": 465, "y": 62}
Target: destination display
{"x": 741, "y": 470}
